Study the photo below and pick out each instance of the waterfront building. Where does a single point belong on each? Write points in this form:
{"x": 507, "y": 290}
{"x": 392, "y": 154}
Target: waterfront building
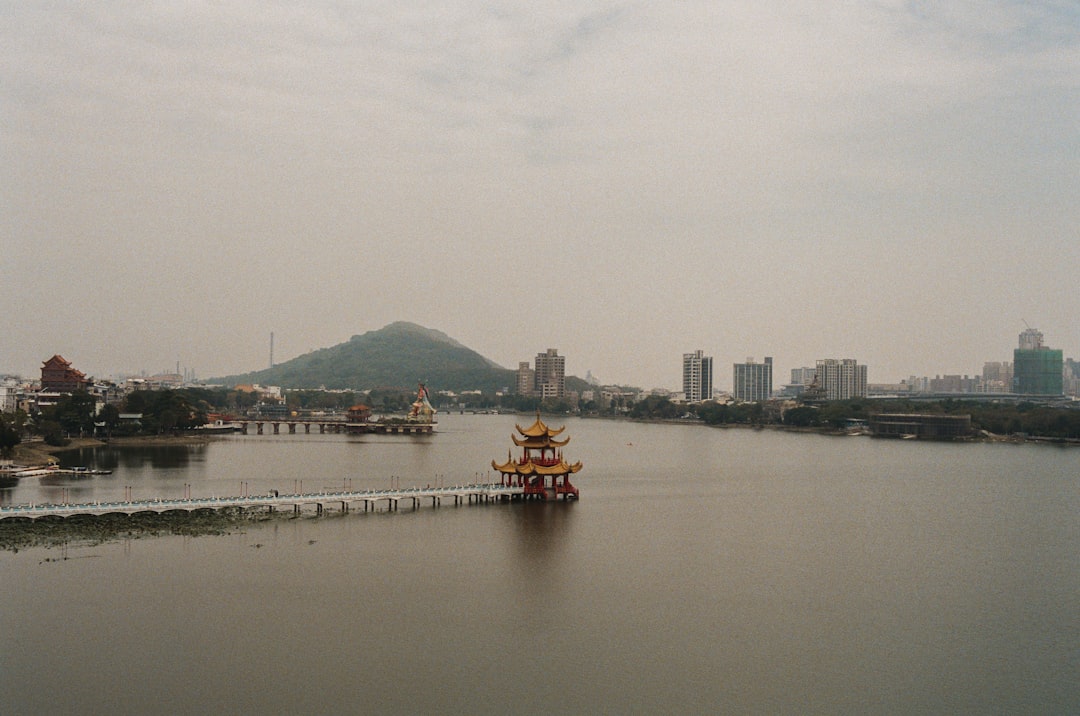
{"x": 840, "y": 379}
{"x": 697, "y": 377}
{"x": 541, "y": 469}
{"x": 753, "y": 381}
{"x": 526, "y": 378}
{"x": 1037, "y": 369}
{"x": 549, "y": 379}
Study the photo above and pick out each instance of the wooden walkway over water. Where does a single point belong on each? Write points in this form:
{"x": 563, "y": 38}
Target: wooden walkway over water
{"x": 341, "y": 500}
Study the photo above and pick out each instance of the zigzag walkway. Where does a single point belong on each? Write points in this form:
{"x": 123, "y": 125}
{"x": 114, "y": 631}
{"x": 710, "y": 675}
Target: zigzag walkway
{"x": 477, "y": 493}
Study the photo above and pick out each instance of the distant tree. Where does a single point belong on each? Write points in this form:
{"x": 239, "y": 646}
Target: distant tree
{"x": 167, "y": 410}
{"x": 110, "y": 416}
{"x": 10, "y": 435}
{"x": 241, "y": 400}
{"x": 556, "y": 405}
{"x": 803, "y": 416}
{"x": 391, "y": 400}
{"x": 75, "y": 412}
{"x": 655, "y": 407}
{"x": 52, "y": 433}
{"x": 321, "y": 399}
{"x": 713, "y": 413}
{"x": 520, "y": 403}
{"x": 167, "y": 420}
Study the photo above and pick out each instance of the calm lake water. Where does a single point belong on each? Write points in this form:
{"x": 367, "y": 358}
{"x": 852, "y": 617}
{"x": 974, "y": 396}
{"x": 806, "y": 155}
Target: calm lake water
{"x": 703, "y": 571}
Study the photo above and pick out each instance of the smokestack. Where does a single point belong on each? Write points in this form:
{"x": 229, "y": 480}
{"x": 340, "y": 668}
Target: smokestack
{"x": 271, "y": 349}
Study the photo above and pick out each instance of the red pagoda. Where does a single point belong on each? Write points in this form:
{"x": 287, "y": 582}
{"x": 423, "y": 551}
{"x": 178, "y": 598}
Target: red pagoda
{"x": 541, "y": 470}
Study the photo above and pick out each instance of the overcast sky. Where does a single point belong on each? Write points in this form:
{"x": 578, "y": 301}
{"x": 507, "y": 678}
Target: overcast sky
{"x": 896, "y": 182}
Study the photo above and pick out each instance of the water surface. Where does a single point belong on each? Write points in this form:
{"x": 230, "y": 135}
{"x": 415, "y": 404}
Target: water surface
{"x": 703, "y": 570}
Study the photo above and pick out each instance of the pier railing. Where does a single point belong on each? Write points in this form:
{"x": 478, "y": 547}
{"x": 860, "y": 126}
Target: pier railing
{"x": 370, "y": 499}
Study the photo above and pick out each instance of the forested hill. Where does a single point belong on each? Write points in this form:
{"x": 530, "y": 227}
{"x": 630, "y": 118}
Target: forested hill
{"x": 395, "y": 356}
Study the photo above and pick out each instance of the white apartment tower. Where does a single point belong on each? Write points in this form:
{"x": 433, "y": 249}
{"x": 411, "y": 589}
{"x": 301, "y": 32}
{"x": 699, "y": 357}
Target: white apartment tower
{"x": 753, "y": 381}
{"x": 697, "y": 375}
{"x": 841, "y": 379}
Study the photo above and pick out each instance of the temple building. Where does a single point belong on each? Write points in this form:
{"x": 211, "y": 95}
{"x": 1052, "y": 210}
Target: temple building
{"x": 541, "y": 469}
{"x": 58, "y": 375}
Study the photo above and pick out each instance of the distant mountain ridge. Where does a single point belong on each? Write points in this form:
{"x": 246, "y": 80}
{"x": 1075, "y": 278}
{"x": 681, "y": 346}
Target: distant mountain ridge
{"x": 398, "y": 355}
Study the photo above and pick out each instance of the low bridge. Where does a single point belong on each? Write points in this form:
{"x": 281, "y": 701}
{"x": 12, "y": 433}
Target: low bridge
{"x": 333, "y": 426}
{"x": 343, "y": 500}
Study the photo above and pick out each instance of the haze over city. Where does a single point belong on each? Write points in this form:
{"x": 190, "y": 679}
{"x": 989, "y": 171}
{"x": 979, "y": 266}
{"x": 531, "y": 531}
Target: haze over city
{"x": 893, "y": 182}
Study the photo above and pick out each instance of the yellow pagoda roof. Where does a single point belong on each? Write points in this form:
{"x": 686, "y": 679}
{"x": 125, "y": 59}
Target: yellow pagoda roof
{"x": 538, "y": 442}
{"x": 515, "y": 467}
{"x": 539, "y": 429}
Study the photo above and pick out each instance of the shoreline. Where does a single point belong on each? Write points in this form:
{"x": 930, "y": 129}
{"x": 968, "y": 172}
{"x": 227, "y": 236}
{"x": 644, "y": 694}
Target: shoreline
{"x": 37, "y": 454}
{"x": 982, "y": 437}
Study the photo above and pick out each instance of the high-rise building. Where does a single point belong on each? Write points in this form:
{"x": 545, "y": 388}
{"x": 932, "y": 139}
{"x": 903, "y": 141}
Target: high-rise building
{"x": 1071, "y": 378}
{"x": 550, "y": 374}
{"x": 526, "y": 378}
{"x": 1037, "y": 370}
{"x": 1031, "y": 340}
{"x": 697, "y": 377}
{"x": 753, "y": 381}
{"x": 997, "y": 377}
{"x": 803, "y": 376}
{"x": 841, "y": 379}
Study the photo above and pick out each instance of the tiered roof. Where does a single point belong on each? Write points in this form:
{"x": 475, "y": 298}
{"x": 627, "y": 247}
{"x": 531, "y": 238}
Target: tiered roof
{"x": 538, "y": 437}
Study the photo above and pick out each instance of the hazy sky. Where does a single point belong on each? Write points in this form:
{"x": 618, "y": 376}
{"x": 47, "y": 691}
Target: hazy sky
{"x": 896, "y": 182}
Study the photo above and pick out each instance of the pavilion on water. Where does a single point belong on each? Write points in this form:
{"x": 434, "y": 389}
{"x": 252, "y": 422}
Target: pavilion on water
{"x": 541, "y": 469}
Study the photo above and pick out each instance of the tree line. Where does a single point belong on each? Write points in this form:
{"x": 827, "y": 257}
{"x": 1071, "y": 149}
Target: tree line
{"x": 171, "y": 411}
{"x": 1023, "y": 418}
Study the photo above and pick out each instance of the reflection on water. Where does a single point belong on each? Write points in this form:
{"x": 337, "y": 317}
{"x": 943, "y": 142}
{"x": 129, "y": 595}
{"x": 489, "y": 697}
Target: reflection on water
{"x": 703, "y": 571}
{"x": 543, "y": 531}
{"x": 156, "y": 457}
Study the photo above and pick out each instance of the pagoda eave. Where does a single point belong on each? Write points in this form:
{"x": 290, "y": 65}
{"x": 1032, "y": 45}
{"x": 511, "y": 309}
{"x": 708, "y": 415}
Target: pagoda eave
{"x": 538, "y": 442}
{"x": 530, "y": 468}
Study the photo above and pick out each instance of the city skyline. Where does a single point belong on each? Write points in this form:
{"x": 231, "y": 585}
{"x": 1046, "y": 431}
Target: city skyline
{"x": 696, "y": 373}
{"x": 885, "y": 181}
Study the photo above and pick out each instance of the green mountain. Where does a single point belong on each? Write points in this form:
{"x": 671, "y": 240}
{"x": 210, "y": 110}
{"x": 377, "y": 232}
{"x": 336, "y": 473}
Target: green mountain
{"x": 396, "y": 356}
